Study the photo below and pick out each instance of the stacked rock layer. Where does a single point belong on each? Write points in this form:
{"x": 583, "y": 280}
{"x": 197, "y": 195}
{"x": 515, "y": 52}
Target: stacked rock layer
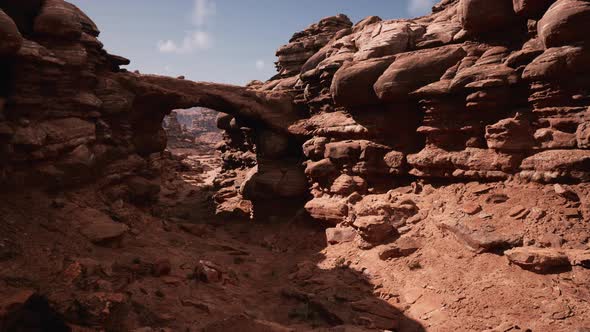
{"x": 478, "y": 90}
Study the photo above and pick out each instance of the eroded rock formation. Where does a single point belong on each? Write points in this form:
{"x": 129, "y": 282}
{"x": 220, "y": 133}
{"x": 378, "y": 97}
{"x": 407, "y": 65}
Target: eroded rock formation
{"x": 472, "y": 121}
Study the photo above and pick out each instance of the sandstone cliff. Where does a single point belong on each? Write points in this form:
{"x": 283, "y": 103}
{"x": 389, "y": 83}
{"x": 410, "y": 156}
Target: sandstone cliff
{"x": 473, "y": 121}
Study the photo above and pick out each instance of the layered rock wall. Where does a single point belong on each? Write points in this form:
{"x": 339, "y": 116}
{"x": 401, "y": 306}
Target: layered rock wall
{"x": 478, "y": 90}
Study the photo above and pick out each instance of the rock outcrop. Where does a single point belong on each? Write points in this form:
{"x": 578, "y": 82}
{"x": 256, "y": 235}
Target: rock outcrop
{"x": 471, "y": 92}
{"x": 391, "y": 135}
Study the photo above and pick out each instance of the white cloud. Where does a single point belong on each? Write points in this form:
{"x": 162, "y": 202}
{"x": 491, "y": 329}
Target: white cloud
{"x": 203, "y": 10}
{"x": 260, "y": 64}
{"x": 196, "y": 39}
{"x": 193, "y": 41}
{"x": 420, "y": 7}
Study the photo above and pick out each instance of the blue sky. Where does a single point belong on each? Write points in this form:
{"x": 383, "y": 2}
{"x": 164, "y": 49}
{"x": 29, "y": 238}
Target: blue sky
{"x": 226, "y": 41}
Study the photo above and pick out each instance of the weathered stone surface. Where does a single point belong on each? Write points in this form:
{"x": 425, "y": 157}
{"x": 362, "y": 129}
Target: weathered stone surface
{"x": 10, "y": 38}
{"x": 484, "y": 239}
{"x": 557, "y": 63}
{"x": 340, "y": 235}
{"x": 353, "y": 83}
{"x": 510, "y": 135}
{"x": 345, "y": 185}
{"x": 327, "y": 209}
{"x": 553, "y": 165}
{"x": 402, "y": 247}
{"x": 537, "y": 259}
{"x": 564, "y": 23}
{"x": 383, "y": 38}
{"x": 411, "y": 71}
{"x": 99, "y": 228}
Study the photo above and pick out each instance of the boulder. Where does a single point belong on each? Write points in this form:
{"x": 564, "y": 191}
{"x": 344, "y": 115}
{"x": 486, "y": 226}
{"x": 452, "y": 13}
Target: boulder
{"x": 552, "y": 165}
{"x": 558, "y": 63}
{"x": 275, "y": 179}
{"x": 402, "y": 247}
{"x": 314, "y": 148}
{"x": 330, "y": 210}
{"x": 482, "y": 239}
{"x": 413, "y": 70}
{"x": 340, "y": 235}
{"x": 320, "y": 169}
{"x": 345, "y": 185}
{"x": 381, "y": 39}
{"x": 565, "y": 23}
{"x": 538, "y": 259}
{"x": 99, "y": 228}
{"x": 512, "y": 134}
{"x": 59, "y": 19}
{"x": 10, "y": 38}
{"x": 375, "y": 229}
{"x": 481, "y": 16}
{"x": 583, "y": 135}
{"x": 352, "y": 85}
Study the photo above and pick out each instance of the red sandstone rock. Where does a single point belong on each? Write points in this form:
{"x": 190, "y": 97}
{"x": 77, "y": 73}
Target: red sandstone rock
{"x": 413, "y": 70}
{"x": 11, "y": 39}
{"x": 484, "y": 16}
{"x": 565, "y": 23}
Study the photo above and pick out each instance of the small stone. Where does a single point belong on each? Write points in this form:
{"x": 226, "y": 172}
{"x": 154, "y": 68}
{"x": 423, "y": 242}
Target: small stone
{"x": 471, "y": 208}
{"x": 497, "y": 198}
{"x": 208, "y": 272}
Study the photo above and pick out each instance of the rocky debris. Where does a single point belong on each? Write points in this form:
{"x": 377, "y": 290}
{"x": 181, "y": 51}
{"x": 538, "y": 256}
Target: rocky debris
{"x": 403, "y": 247}
{"x": 482, "y": 237}
{"x": 537, "y": 259}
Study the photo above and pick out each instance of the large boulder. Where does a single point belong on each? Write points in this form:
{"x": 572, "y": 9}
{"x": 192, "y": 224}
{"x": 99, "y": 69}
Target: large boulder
{"x": 275, "y": 179}
{"x": 381, "y": 39}
{"x": 566, "y": 22}
{"x": 10, "y": 38}
{"x": 480, "y": 16}
{"x": 353, "y": 83}
{"x": 558, "y": 63}
{"x": 416, "y": 69}
{"x": 59, "y": 19}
